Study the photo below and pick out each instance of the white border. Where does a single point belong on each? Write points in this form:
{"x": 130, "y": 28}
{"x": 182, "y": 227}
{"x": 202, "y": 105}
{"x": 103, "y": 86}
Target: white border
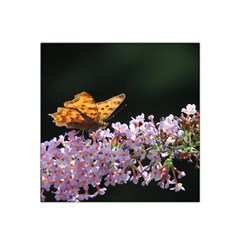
{"x": 27, "y": 23}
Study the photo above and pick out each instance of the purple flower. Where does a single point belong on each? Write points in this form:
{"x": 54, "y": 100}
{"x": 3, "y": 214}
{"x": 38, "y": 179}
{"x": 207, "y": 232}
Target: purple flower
{"x": 154, "y": 156}
{"x": 71, "y": 135}
{"x": 140, "y": 118}
{"x": 105, "y": 154}
{"x": 150, "y": 117}
{"x": 169, "y": 125}
{"x": 76, "y": 167}
{"x": 111, "y": 179}
{"x": 180, "y": 134}
{"x": 181, "y": 174}
{"x": 100, "y": 191}
{"x": 53, "y": 144}
{"x": 155, "y": 173}
{"x": 170, "y": 140}
{"x": 124, "y": 155}
{"x": 115, "y": 155}
{"x": 46, "y": 181}
{"x": 132, "y": 132}
{"x": 190, "y": 109}
{"x": 119, "y": 128}
{"x": 122, "y": 177}
{"x": 141, "y": 153}
{"x": 178, "y": 187}
{"x": 150, "y": 137}
{"x": 165, "y": 182}
{"x": 103, "y": 134}
{"x": 84, "y": 196}
{"x": 61, "y": 194}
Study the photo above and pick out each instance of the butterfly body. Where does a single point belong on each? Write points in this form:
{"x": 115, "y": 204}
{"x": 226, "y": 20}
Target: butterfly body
{"x": 85, "y": 114}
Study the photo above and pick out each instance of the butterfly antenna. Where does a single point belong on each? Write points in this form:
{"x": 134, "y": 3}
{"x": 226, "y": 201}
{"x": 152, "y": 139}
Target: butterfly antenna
{"x": 120, "y": 109}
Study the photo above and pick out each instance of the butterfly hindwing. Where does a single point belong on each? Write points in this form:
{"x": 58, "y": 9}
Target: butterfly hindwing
{"x": 66, "y": 116}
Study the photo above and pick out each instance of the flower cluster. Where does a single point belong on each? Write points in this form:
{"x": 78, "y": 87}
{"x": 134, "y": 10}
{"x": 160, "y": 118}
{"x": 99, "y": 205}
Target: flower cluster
{"x": 77, "y": 169}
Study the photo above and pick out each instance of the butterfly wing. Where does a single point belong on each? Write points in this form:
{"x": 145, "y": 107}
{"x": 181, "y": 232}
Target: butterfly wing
{"x": 69, "y": 118}
{"x": 85, "y": 105}
{"x": 106, "y": 108}
{"x": 83, "y": 113}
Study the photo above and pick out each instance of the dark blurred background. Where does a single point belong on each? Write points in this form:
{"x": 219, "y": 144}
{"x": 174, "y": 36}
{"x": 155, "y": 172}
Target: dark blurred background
{"x": 157, "y": 78}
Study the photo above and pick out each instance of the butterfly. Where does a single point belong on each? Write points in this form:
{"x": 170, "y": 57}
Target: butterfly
{"x": 84, "y": 113}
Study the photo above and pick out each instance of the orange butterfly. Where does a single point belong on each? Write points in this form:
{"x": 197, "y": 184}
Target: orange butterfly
{"x": 84, "y": 113}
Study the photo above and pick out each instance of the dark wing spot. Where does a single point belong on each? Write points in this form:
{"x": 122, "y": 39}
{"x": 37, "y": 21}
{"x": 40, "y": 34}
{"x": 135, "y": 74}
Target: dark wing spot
{"x": 110, "y": 109}
{"x": 107, "y": 106}
{"x": 102, "y": 108}
{"x": 105, "y": 114}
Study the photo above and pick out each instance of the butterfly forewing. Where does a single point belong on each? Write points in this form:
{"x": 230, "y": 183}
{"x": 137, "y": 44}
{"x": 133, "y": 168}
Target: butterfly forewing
{"x": 84, "y": 103}
{"x": 106, "y": 108}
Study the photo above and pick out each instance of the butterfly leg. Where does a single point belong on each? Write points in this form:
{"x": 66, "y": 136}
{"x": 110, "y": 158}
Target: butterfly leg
{"x": 83, "y": 133}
